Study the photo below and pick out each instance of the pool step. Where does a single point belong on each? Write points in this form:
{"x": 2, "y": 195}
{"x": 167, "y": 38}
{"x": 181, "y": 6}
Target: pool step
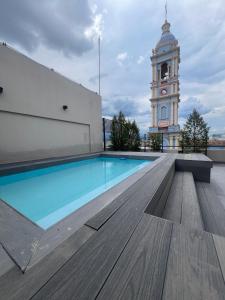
{"x": 182, "y": 205}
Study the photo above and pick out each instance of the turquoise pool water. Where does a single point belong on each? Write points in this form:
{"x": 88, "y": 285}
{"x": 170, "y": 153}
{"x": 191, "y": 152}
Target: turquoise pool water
{"x": 47, "y": 195}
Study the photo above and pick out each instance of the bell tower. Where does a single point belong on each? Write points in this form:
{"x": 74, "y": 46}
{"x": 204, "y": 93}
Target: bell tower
{"x": 165, "y": 87}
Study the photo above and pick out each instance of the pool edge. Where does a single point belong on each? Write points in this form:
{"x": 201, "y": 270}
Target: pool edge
{"x": 48, "y": 240}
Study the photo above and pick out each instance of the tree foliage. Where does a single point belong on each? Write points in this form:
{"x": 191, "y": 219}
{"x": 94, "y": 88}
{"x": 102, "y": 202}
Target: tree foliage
{"x": 155, "y": 141}
{"x": 124, "y": 134}
{"x": 195, "y": 134}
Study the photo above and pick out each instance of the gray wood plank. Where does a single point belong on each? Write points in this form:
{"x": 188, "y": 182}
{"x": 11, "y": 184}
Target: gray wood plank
{"x": 5, "y": 262}
{"x": 174, "y": 202}
{"x": 199, "y": 164}
{"x": 18, "y": 236}
{"x": 213, "y": 212}
{"x": 182, "y": 204}
{"x": 154, "y": 205}
{"x": 105, "y": 214}
{"x": 14, "y": 285}
{"x": 83, "y": 276}
{"x": 165, "y": 189}
{"x": 193, "y": 270}
{"x": 218, "y": 175}
{"x": 191, "y": 214}
{"x": 219, "y": 242}
{"x": 140, "y": 271}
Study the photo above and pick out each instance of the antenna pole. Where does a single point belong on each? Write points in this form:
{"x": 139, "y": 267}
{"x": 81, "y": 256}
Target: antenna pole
{"x": 166, "y": 10}
{"x": 99, "y": 66}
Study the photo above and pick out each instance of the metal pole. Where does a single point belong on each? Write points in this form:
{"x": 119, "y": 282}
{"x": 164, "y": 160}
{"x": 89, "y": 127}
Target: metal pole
{"x": 99, "y": 66}
{"x": 166, "y": 10}
{"x": 145, "y": 137}
{"x": 162, "y": 142}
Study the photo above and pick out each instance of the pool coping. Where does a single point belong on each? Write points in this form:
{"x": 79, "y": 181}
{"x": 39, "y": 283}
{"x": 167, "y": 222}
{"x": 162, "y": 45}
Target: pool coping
{"x": 36, "y": 243}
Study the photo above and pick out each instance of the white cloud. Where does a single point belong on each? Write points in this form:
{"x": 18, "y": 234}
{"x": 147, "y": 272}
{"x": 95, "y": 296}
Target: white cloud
{"x": 73, "y": 28}
{"x": 122, "y": 56}
{"x": 96, "y": 29}
{"x": 187, "y": 106}
{"x": 94, "y": 8}
{"x": 140, "y": 60}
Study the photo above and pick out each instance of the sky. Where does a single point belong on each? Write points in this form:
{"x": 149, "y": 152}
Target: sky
{"x": 63, "y": 35}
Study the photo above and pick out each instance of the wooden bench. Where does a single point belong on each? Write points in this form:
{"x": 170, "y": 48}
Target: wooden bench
{"x": 182, "y": 204}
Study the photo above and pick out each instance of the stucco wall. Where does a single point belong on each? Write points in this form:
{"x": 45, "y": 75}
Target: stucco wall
{"x": 32, "y": 121}
{"x": 216, "y": 155}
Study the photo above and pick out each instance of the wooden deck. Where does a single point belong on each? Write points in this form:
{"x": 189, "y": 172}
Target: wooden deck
{"x": 182, "y": 204}
{"x": 124, "y": 252}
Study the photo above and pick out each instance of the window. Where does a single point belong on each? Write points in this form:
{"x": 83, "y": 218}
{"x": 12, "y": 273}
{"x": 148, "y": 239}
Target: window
{"x": 163, "y": 113}
{"x": 164, "y": 71}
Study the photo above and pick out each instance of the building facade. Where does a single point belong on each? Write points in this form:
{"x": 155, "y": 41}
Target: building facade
{"x": 42, "y": 113}
{"x": 165, "y": 88}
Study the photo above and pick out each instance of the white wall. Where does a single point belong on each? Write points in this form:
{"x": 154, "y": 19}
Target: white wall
{"x": 32, "y": 121}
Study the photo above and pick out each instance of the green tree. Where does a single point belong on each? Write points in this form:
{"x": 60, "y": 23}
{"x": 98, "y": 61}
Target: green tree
{"x": 134, "y": 140}
{"x": 195, "y": 134}
{"x": 155, "y": 141}
{"x": 124, "y": 134}
{"x": 119, "y": 132}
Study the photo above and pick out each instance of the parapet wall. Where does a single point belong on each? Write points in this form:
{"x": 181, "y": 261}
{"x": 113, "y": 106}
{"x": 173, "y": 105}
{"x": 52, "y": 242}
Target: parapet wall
{"x": 44, "y": 114}
{"x": 216, "y": 155}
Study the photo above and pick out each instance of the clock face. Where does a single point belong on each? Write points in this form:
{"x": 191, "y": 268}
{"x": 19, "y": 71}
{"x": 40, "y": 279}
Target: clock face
{"x": 163, "y": 91}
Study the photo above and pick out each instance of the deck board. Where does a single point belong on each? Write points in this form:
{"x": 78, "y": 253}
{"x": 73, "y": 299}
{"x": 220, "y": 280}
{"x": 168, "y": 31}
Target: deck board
{"x": 193, "y": 270}
{"x": 106, "y": 213}
{"x": 5, "y": 262}
{"x": 213, "y": 212}
{"x": 174, "y": 202}
{"x": 191, "y": 214}
{"x": 199, "y": 164}
{"x": 14, "y": 285}
{"x": 132, "y": 255}
{"x": 157, "y": 204}
{"x": 220, "y": 249}
{"x": 137, "y": 275}
{"x": 84, "y": 275}
{"x": 18, "y": 235}
{"x": 182, "y": 205}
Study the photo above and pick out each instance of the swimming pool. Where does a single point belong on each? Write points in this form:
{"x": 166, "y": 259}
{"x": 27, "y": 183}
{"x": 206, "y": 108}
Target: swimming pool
{"x": 47, "y": 195}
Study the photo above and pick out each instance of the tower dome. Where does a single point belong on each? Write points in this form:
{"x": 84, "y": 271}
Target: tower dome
{"x": 165, "y": 87}
{"x": 167, "y": 38}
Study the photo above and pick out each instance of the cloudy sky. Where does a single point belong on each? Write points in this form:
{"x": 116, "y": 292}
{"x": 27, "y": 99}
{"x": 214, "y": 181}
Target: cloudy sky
{"x": 63, "y": 35}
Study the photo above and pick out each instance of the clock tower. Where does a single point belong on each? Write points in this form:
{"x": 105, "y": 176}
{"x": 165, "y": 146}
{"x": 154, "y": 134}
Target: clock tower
{"x": 165, "y": 88}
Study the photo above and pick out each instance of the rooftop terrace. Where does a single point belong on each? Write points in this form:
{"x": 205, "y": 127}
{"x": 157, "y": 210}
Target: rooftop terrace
{"x": 163, "y": 237}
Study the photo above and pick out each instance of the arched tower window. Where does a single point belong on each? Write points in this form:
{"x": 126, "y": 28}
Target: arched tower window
{"x": 163, "y": 112}
{"x": 164, "y": 71}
